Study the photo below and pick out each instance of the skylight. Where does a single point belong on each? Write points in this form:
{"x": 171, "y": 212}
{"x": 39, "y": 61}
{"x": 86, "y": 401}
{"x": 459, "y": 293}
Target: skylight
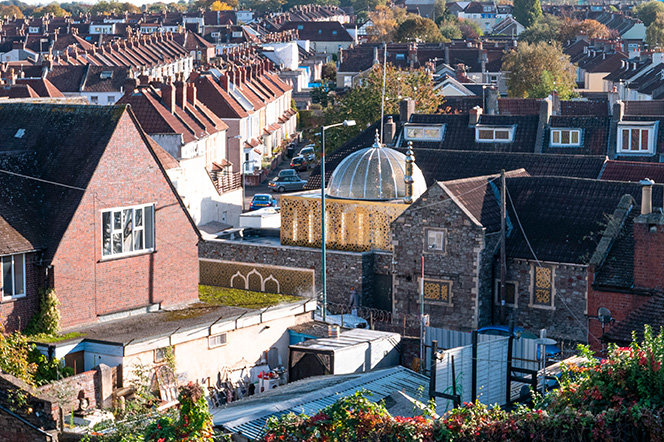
{"x": 19, "y": 133}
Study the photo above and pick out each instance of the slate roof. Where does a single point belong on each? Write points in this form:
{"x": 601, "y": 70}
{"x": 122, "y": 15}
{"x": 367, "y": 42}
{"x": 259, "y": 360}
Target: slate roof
{"x": 42, "y": 86}
{"x": 594, "y": 134}
{"x": 319, "y": 31}
{"x": 57, "y": 143}
{"x": 632, "y": 171}
{"x": 519, "y": 106}
{"x": 93, "y": 81}
{"x": 617, "y": 269}
{"x": 460, "y": 135}
{"x": 439, "y": 165}
{"x": 584, "y": 108}
{"x": 562, "y": 217}
{"x": 644, "y": 107}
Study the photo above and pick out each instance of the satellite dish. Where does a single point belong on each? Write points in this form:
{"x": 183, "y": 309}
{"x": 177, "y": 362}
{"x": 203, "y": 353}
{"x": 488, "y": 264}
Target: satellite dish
{"x": 604, "y": 315}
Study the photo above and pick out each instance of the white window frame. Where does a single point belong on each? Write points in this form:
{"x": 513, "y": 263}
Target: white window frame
{"x": 13, "y": 262}
{"x": 649, "y": 127}
{"x": 419, "y": 132}
{"x": 481, "y": 128}
{"x": 439, "y": 243}
{"x": 212, "y": 340}
{"x": 558, "y": 133}
{"x": 147, "y": 247}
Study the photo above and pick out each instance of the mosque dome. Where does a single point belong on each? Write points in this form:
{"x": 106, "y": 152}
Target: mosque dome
{"x": 374, "y": 173}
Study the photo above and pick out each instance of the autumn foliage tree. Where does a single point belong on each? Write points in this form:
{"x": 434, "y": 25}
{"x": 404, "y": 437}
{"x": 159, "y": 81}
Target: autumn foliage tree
{"x": 416, "y": 28}
{"x": 384, "y": 23}
{"x": 535, "y": 70}
{"x": 569, "y": 29}
{"x": 363, "y": 103}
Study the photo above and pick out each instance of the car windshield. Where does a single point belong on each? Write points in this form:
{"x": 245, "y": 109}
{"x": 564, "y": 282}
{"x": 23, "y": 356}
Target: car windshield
{"x": 261, "y": 198}
{"x": 297, "y": 160}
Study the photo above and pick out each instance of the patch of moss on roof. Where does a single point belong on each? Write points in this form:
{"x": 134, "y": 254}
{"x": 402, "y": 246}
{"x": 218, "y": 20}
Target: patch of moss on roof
{"x": 50, "y": 339}
{"x": 193, "y": 311}
{"x": 242, "y": 298}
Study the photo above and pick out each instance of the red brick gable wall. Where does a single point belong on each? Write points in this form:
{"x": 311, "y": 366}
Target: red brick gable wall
{"x": 87, "y": 286}
{"x": 620, "y": 304}
{"x": 16, "y": 313}
{"x": 648, "y": 255}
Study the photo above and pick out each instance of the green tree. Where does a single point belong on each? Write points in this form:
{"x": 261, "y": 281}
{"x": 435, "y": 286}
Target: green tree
{"x": 329, "y": 72}
{"x": 647, "y": 12}
{"x": 10, "y": 11}
{"x": 14, "y": 351}
{"x": 449, "y": 29}
{"x": 535, "y": 70}
{"x": 655, "y": 32}
{"x": 75, "y": 8}
{"x": 543, "y": 30}
{"x": 363, "y": 103}
{"x": 527, "y": 12}
{"x": 418, "y": 29}
{"x": 52, "y": 8}
{"x": 263, "y": 6}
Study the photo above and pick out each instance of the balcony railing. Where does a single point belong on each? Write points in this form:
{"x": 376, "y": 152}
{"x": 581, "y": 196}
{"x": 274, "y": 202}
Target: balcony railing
{"x": 228, "y": 182}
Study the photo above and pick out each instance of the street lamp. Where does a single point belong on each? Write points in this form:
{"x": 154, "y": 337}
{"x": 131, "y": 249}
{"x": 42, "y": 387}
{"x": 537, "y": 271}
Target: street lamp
{"x": 346, "y": 123}
{"x": 244, "y": 187}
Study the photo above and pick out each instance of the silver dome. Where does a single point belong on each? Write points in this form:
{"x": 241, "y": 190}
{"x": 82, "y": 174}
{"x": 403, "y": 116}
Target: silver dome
{"x": 374, "y": 173}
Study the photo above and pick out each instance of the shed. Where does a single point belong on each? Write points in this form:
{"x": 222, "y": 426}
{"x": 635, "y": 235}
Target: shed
{"x": 353, "y": 351}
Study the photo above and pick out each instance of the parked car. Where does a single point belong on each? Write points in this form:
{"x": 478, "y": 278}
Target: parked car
{"x": 261, "y": 200}
{"x": 300, "y": 164}
{"x": 504, "y": 330}
{"x": 308, "y": 152}
{"x": 288, "y": 172}
{"x": 284, "y": 183}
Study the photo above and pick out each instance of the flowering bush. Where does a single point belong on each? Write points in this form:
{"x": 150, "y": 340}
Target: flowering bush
{"x": 617, "y": 399}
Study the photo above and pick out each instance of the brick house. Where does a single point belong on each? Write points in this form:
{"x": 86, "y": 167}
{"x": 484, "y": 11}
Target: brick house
{"x": 454, "y": 228}
{"x": 89, "y": 211}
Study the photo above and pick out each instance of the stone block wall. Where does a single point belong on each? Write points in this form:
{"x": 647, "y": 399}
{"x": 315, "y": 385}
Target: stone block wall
{"x": 566, "y": 319}
{"x": 458, "y": 263}
{"x": 344, "y": 269}
{"x": 13, "y": 429}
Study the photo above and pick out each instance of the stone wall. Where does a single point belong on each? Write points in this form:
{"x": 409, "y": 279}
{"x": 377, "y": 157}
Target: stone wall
{"x": 565, "y": 319}
{"x": 13, "y": 429}
{"x": 22, "y": 422}
{"x": 344, "y": 269}
{"x": 458, "y": 263}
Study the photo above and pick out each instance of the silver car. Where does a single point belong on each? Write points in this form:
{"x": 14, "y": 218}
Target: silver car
{"x": 286, "y": 183}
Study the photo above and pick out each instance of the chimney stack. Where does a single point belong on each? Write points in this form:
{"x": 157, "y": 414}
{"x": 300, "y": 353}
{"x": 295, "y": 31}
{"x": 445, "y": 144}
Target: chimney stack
{"x": 492, "y": 101}
{"x": 191, "y": 94}
{"x": 474, "y": 116}
{"x": 389, "y": 130}
{"x": 406, "y": 109}
{"x": 646, "y": 196}
{"x": 168, "y": 96}
{"x": 180, "y": 93}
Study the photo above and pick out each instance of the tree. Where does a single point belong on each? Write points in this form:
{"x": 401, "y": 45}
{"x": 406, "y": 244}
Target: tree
{"x": 10, "y": 11}
{"x": 384, "y": 25}
{"x": 655, "y": 32}
{"x": 52, "y": 8}
{"x": 220, "y": 6}
{"x": 329, "y": 72}
{"x": 569, "y": 29}
{"x": 75, "y": 8}
{"x": 535, "y": 70}
{"x": 470, "y": 30}
{"x": 263, "y": 6}
{"x": 543, "y": 30}
{"x": 647, "y": 12}
{"x": 527, "y": 12}
{"x": 418, "y": 29}
{"x": 363, "y": 103}
{"x": 449, "y": 29}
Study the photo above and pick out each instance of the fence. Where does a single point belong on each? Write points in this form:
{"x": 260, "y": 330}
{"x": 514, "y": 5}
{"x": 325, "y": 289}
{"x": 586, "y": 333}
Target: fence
{"x": 477, "y": 371}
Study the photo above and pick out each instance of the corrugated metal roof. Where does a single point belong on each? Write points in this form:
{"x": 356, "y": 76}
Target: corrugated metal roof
{"x": 346, "y": 339}
{"x": 249, "y": 417}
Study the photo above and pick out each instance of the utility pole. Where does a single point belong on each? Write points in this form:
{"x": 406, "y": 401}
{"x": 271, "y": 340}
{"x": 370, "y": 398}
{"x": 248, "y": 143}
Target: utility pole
{"x": 503, "y": 264}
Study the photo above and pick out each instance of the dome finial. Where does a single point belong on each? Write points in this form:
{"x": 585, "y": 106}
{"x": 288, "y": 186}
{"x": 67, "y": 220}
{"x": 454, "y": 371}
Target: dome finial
{"x": 377, "y": 142}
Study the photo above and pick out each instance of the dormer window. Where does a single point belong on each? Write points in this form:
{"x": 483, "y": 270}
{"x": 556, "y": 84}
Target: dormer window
{"x": 494, "y": 134}
{"x": 637, "y": 137}
{"x": 565, "y": 137}
{"x": 424, "y": 133}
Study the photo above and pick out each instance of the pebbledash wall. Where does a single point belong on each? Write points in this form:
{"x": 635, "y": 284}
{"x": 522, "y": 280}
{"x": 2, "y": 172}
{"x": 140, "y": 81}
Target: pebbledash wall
{"x": 89, "y": 285}
{"x": 344, "y": 269}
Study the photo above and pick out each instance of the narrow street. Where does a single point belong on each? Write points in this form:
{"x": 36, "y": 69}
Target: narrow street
{"x": 250, "y": 191}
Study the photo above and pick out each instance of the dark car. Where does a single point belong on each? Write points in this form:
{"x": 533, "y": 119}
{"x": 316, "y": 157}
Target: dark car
{"x": 300, "y": 164}
{"x": 503, "y": 330}
{"x": 262, "y": 200}
{"x": 284, "y": 183}
{"x": 288, "y": 172}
